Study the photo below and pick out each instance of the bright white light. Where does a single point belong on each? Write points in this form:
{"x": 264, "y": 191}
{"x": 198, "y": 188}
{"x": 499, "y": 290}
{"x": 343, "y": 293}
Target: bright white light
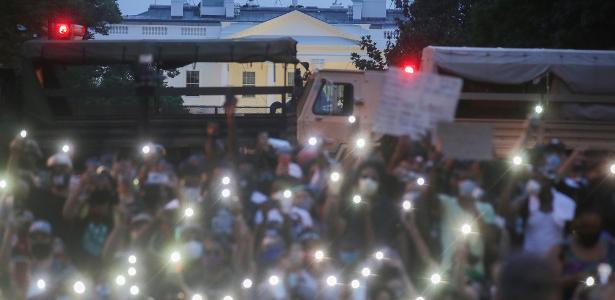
{"x": 175, "y": 257}
{"x": 312, "y": 141}
{"x": 23, "y": 133}
{"x": 3, "y": 184}
{"x": 227, "y": 297}
{"x": 287, "y": 194}
{"x": 135, "y": 181}
{"x": 196, "y": 297}
{"x": 226, "y": 193}
{"x": 355, "y": 284}
{"x": 65, "y": 148}
{"x": 406, "y": 205}
{"x": 360, "y": 143}
{"x": 419, "y": 298}
{"x": 226, "y": 180}
{"x": 274, "y": 280}
{"x": 41, "y": 284}
{"x": 132, "y": 259}
{"x": 517, "y": 160}
{"x": 247, "y": 283}
{"x": 331, "y": 280}
{"x": 319, "y": 255}
{"x": 132, "y": 271}
{"x": 379, "y": 255}
{"x": 134, "y": 290}
{"x": 120, "y": 280}
{"x": 356, "y": 199}
{"x": 466, "y": 229}
{"x": 366, "y": 272}
{"x": 435, "y": 278}
{"x": 538, "y": 109}
{"x": 188, "y": 212}
{"x": 612, "y": 169}
{"x": 420, "y": 181}
{"x": 352, "y": 119}
{"x": 590, "y": 281}
{"x": 79, "y": 287}
{"x": 335, "y": 176}
{"x": 146, "y": 149}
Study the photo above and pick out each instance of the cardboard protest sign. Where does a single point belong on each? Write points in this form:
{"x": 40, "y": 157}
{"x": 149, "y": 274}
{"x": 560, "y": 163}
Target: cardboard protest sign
{"x": 411, "y": 104}
{"x": 465, "y": 141}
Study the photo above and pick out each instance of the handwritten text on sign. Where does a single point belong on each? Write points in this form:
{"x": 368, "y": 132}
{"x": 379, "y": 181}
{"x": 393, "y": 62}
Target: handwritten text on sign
{"x": 411, "y": 104}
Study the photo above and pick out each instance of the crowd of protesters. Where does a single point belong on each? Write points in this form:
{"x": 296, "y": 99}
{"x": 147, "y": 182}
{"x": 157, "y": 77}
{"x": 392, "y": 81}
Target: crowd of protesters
{"x": 270, "y": 220}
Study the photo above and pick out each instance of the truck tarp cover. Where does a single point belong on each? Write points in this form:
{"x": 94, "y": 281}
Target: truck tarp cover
{"x": 171, "y": 53}
{"x": 583, "y": 71}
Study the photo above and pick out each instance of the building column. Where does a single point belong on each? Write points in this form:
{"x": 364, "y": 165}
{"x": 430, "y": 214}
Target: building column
{"x": 270, "y": 71}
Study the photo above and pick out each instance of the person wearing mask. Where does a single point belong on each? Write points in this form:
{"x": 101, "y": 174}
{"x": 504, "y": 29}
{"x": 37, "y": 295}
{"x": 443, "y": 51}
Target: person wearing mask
{"x": 600, "y": 192}
{"x": 207, "y": 268}
{"x": 580, "y": 256}
{"x": 47, "y": 263}
{"x": 156, "y": 178}
{"x": 90, "y": 213}
{"x": 545, "y": 212}
{"x": 464, "y": 209}
{"x": 365, "y": 208}
{"x": 48, "y": 202}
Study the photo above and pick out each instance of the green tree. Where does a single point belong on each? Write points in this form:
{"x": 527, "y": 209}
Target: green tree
{"x": 112, "y": 77}
{"x": 587, "y": 24}
{"x": 27, "y": 19}
{"x": 375, "y": 58}
{"x": 425, "y": 22}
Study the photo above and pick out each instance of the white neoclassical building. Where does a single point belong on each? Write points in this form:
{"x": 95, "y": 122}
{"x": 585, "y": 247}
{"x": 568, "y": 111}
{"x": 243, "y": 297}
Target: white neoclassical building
{"x": 325, "y": 36}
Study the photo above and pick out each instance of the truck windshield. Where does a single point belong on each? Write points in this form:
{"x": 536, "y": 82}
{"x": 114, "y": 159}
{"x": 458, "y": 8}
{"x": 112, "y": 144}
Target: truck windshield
{"x": 334, "y": 99}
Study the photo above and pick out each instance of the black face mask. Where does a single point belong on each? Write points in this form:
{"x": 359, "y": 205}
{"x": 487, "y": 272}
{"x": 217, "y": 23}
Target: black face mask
{"x": 60, "y": 180}
{"x": 40, "y": 250}
{"x": 588, "y": 239}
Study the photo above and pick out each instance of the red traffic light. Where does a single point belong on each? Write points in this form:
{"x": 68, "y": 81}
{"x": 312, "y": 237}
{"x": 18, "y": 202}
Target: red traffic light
{"x": 409, "y": 69}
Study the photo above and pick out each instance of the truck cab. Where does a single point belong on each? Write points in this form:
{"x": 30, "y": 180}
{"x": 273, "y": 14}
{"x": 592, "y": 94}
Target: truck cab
{"x": 330, "y": 98}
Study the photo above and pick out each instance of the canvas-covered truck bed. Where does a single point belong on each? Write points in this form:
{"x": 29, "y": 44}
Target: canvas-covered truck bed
{"x": 501, "y": 86}
{"x": 90, "y": 90}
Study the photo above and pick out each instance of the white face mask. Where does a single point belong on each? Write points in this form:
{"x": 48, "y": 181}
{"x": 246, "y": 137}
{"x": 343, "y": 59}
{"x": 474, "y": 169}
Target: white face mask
{"x": 368, "y": 186}
{"x": 466, "y": 187}
{"x": 532, "y": 187}
{"x": 478, "y": 193}
{"x": 193, "y": 250}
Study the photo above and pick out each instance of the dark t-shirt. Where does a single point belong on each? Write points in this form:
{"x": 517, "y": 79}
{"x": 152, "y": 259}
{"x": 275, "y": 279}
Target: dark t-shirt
{"x": 87, "y": 241}
{"x": 600, "y": 195}
{"x": 47, "y": 206}
{"x": 383, "y": 214}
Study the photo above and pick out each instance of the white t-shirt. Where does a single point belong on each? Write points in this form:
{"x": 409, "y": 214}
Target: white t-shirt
{"x": 545, "y": 230}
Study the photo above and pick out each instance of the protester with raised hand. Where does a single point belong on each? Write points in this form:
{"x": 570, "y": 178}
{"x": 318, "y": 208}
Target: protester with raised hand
{"x": 580, "y": 257}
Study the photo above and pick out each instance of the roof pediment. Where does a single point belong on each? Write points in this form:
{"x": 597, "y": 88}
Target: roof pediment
{"x": 295, "y": 23}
